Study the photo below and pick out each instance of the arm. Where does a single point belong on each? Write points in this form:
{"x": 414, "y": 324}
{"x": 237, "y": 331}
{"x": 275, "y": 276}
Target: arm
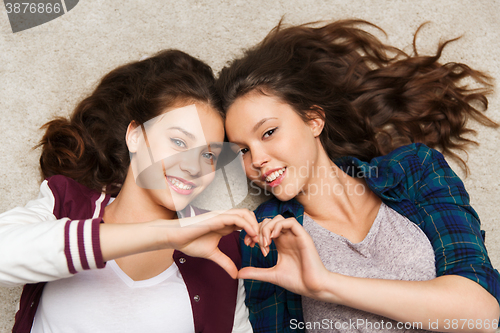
{"x": 32, "y": 246}
{"x": 300, "y": 270}
{"x": 196, "y": 236}
{"x": 467, "y": 284}
{"x": 444, "y": 300}
{"x": 35, "y": 246}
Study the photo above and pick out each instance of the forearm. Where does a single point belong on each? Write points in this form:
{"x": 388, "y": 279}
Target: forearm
{"x": 31, "y": 253}
{"x": 445, "y": 300}
{"x": 120, "y": 240}
{"x": 197, "y": 236}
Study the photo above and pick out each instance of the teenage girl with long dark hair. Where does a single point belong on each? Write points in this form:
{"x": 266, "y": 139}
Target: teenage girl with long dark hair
{"x": 101, "y": 250}
{"x": 369, "y": 224}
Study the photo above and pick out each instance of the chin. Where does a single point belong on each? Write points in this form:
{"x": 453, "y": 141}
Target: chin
{"x": 175, "y": 204}
{"x": 283, "y": 195}
{"x": 171, "y": 205}
{"x": 180, "y": 204}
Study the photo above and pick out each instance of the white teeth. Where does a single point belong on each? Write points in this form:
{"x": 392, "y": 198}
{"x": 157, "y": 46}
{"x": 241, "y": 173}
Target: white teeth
{"x": 179, "y": 184}
{"x": 275, "y": 175}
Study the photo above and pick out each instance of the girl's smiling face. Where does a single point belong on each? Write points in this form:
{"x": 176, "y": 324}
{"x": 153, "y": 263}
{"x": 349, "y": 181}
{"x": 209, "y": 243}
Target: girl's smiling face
{"x": 279, "y": 148}
{"x": 176, "y": 151}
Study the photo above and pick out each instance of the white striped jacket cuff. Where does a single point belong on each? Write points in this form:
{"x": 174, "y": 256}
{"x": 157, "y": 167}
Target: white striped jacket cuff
{"x": 82, "y": 245}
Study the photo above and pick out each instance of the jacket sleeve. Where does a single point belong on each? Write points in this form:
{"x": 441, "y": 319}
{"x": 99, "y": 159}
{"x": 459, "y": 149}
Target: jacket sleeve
{"x": 36, "y": 246}
{"x": 450, "y": 222}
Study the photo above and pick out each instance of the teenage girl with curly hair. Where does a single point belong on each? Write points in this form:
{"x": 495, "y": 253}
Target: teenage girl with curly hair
{"x": 101, "y": 249}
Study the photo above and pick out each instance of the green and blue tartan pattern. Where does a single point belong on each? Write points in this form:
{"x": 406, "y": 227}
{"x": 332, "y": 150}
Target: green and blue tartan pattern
{"x": 418, "y": 183}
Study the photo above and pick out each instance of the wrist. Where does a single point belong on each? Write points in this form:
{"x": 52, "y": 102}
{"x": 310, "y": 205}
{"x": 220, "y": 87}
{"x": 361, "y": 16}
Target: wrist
{"x": 329, "y": 288}
{"x": 160, "y": 232}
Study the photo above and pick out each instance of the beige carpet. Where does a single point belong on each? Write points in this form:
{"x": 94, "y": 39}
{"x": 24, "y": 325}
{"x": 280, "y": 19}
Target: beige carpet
{"x": 45, "y": 70}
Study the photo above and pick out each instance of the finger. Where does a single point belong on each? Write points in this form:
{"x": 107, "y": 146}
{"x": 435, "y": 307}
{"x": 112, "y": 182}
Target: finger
{"x": 241, "y": 219}
{"x": 254, "y": 273}
{"x": 271, "y": 226}
{"x": 247, "y": 215}
{"x": 227, "y": 223}
{"x": 225, "y": 262}
{"x": 266, "y": 229}
{"x": 294, "y": 226}
{"x": 264, "y": 224}
{"x": 249, "y": 241}
{"x": 263, "y": 245}
{"x": 276, "y": 232}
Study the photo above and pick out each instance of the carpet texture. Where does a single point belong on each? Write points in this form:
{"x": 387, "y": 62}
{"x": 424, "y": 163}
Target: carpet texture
{"x": 46, "y": 70}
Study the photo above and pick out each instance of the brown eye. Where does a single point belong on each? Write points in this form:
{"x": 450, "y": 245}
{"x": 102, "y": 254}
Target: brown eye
{"x": 269, "y": 133}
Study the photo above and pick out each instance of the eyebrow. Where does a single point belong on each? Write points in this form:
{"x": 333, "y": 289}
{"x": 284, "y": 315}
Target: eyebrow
{"x": 191, "y": 136}
{"x": 262, "y": 122}
{"x": 215, "y": 145}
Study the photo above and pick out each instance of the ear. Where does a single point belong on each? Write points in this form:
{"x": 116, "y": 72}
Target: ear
{"x": 316, "y": 120}
{"x": 133, "y": 136}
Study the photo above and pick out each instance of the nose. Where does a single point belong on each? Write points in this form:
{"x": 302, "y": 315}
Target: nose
{"x": 190, "y": 163}
{"x": 259, "y": 158}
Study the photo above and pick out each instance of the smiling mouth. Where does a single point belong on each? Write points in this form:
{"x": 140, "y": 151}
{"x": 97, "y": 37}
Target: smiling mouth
{"x": 180, "y": 185}
{"x": 275, "y": 178}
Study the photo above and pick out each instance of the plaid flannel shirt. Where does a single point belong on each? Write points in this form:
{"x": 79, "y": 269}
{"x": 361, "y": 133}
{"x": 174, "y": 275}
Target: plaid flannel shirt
{"x": 418, "y": 183}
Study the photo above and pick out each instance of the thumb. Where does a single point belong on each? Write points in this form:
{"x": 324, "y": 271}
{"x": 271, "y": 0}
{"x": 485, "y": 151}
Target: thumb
{"x": 225, "y": 262}
{"x": 253, "y": 273}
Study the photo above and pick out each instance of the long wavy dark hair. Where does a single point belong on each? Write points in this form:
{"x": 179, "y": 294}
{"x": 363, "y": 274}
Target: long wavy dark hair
{"x": 90, "y": 146}
{"x": 372, "y": 96}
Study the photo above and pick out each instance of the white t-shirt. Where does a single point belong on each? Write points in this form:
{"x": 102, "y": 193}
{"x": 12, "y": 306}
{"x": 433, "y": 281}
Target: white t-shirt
{"x": 83, "y": 302}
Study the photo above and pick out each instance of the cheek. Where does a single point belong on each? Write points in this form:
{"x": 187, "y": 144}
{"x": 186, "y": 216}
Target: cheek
{"x": 207, "y": 180}
{"x": 172, "y": 161}
{"x": 250, "y": 171}
{"x": 159, "y": 148}
{"x": 303, "y": 145}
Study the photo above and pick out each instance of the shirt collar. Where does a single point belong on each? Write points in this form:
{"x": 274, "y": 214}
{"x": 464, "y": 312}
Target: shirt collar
{"x": 381, "y": 176}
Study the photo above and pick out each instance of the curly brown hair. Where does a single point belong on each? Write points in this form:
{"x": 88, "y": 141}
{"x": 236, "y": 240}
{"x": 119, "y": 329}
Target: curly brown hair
{"x": 373, "y": 97}
{"x": 90, "y": 147}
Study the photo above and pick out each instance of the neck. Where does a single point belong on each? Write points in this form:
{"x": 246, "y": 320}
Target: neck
{"x": 331, "y": 192}
{"x": 134, "y": 205}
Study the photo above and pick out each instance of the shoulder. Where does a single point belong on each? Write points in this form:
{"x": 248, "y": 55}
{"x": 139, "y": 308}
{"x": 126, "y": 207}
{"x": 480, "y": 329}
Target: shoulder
{"x": 267, "y": 209}
{"x": 410, "y": 158}
{"x": 63, "y": 184}
{"x": 73, "y": 199}
{"x": 407, "y": 164}
{"x": 413, "y": 171}
{"x": 273, "y": 207}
